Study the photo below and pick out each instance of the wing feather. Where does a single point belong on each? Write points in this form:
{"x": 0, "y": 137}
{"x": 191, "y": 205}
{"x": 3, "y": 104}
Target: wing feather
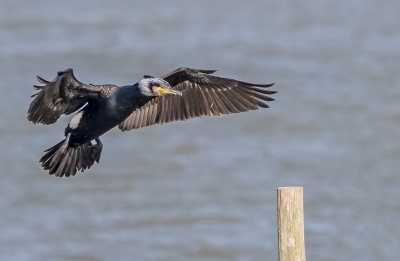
{"x": 64, "y": 95}
{"x": 203, "y": 94}
{"x": 219, "y": 102}
{"x": 154, "y": 107}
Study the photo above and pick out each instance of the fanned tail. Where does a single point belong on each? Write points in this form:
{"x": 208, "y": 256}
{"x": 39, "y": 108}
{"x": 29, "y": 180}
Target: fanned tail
{"x": 61, "y": 159}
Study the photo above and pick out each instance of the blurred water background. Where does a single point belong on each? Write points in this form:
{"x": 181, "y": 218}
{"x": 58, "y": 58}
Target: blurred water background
{"x": 206, "y": 189}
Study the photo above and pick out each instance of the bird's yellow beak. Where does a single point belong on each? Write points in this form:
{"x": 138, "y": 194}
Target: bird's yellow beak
{"x": 167, "y": 90}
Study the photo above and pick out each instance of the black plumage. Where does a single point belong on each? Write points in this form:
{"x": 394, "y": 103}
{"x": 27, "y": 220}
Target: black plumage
{"x": 178, "y": 96}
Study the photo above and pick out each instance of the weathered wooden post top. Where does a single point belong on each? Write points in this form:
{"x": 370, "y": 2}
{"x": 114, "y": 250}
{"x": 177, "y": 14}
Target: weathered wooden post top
{"x": 291, "y": 224}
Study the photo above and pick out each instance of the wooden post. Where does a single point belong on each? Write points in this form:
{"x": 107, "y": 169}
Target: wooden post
{"x": 291, "y": 224}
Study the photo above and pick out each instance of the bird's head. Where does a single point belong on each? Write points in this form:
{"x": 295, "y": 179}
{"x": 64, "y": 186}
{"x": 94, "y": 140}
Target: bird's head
{"x": 151, "y": 86}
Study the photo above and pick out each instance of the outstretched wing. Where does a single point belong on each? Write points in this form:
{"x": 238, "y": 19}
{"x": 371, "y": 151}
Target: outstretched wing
{"x": 64, "y": 95}
{"x": 202, "y": 94}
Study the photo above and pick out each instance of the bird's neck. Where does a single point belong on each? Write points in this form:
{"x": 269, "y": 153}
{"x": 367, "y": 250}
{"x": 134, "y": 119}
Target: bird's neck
{"x": 130, "y": 91}
{"x": 127, "y": 98}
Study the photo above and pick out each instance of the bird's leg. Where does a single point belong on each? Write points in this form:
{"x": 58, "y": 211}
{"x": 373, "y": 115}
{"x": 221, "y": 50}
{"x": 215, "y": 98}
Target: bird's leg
{"x": 96, "y": 150}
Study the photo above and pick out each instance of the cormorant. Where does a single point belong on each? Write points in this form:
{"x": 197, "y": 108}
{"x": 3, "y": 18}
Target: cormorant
{"x": 178, "y": 96}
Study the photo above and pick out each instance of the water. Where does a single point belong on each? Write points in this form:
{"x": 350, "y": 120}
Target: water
{"x": 206, "y": 189}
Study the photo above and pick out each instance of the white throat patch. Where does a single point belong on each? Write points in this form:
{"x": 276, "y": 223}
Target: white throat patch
{"x": 144, "y": 87}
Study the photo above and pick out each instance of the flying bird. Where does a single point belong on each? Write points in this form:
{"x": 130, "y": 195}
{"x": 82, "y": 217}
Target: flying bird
{"x": 177, "y": 96}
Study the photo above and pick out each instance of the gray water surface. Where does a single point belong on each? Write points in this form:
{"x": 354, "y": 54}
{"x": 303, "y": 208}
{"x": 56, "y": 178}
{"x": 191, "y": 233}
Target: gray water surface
{"x": 206, "y": 189}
